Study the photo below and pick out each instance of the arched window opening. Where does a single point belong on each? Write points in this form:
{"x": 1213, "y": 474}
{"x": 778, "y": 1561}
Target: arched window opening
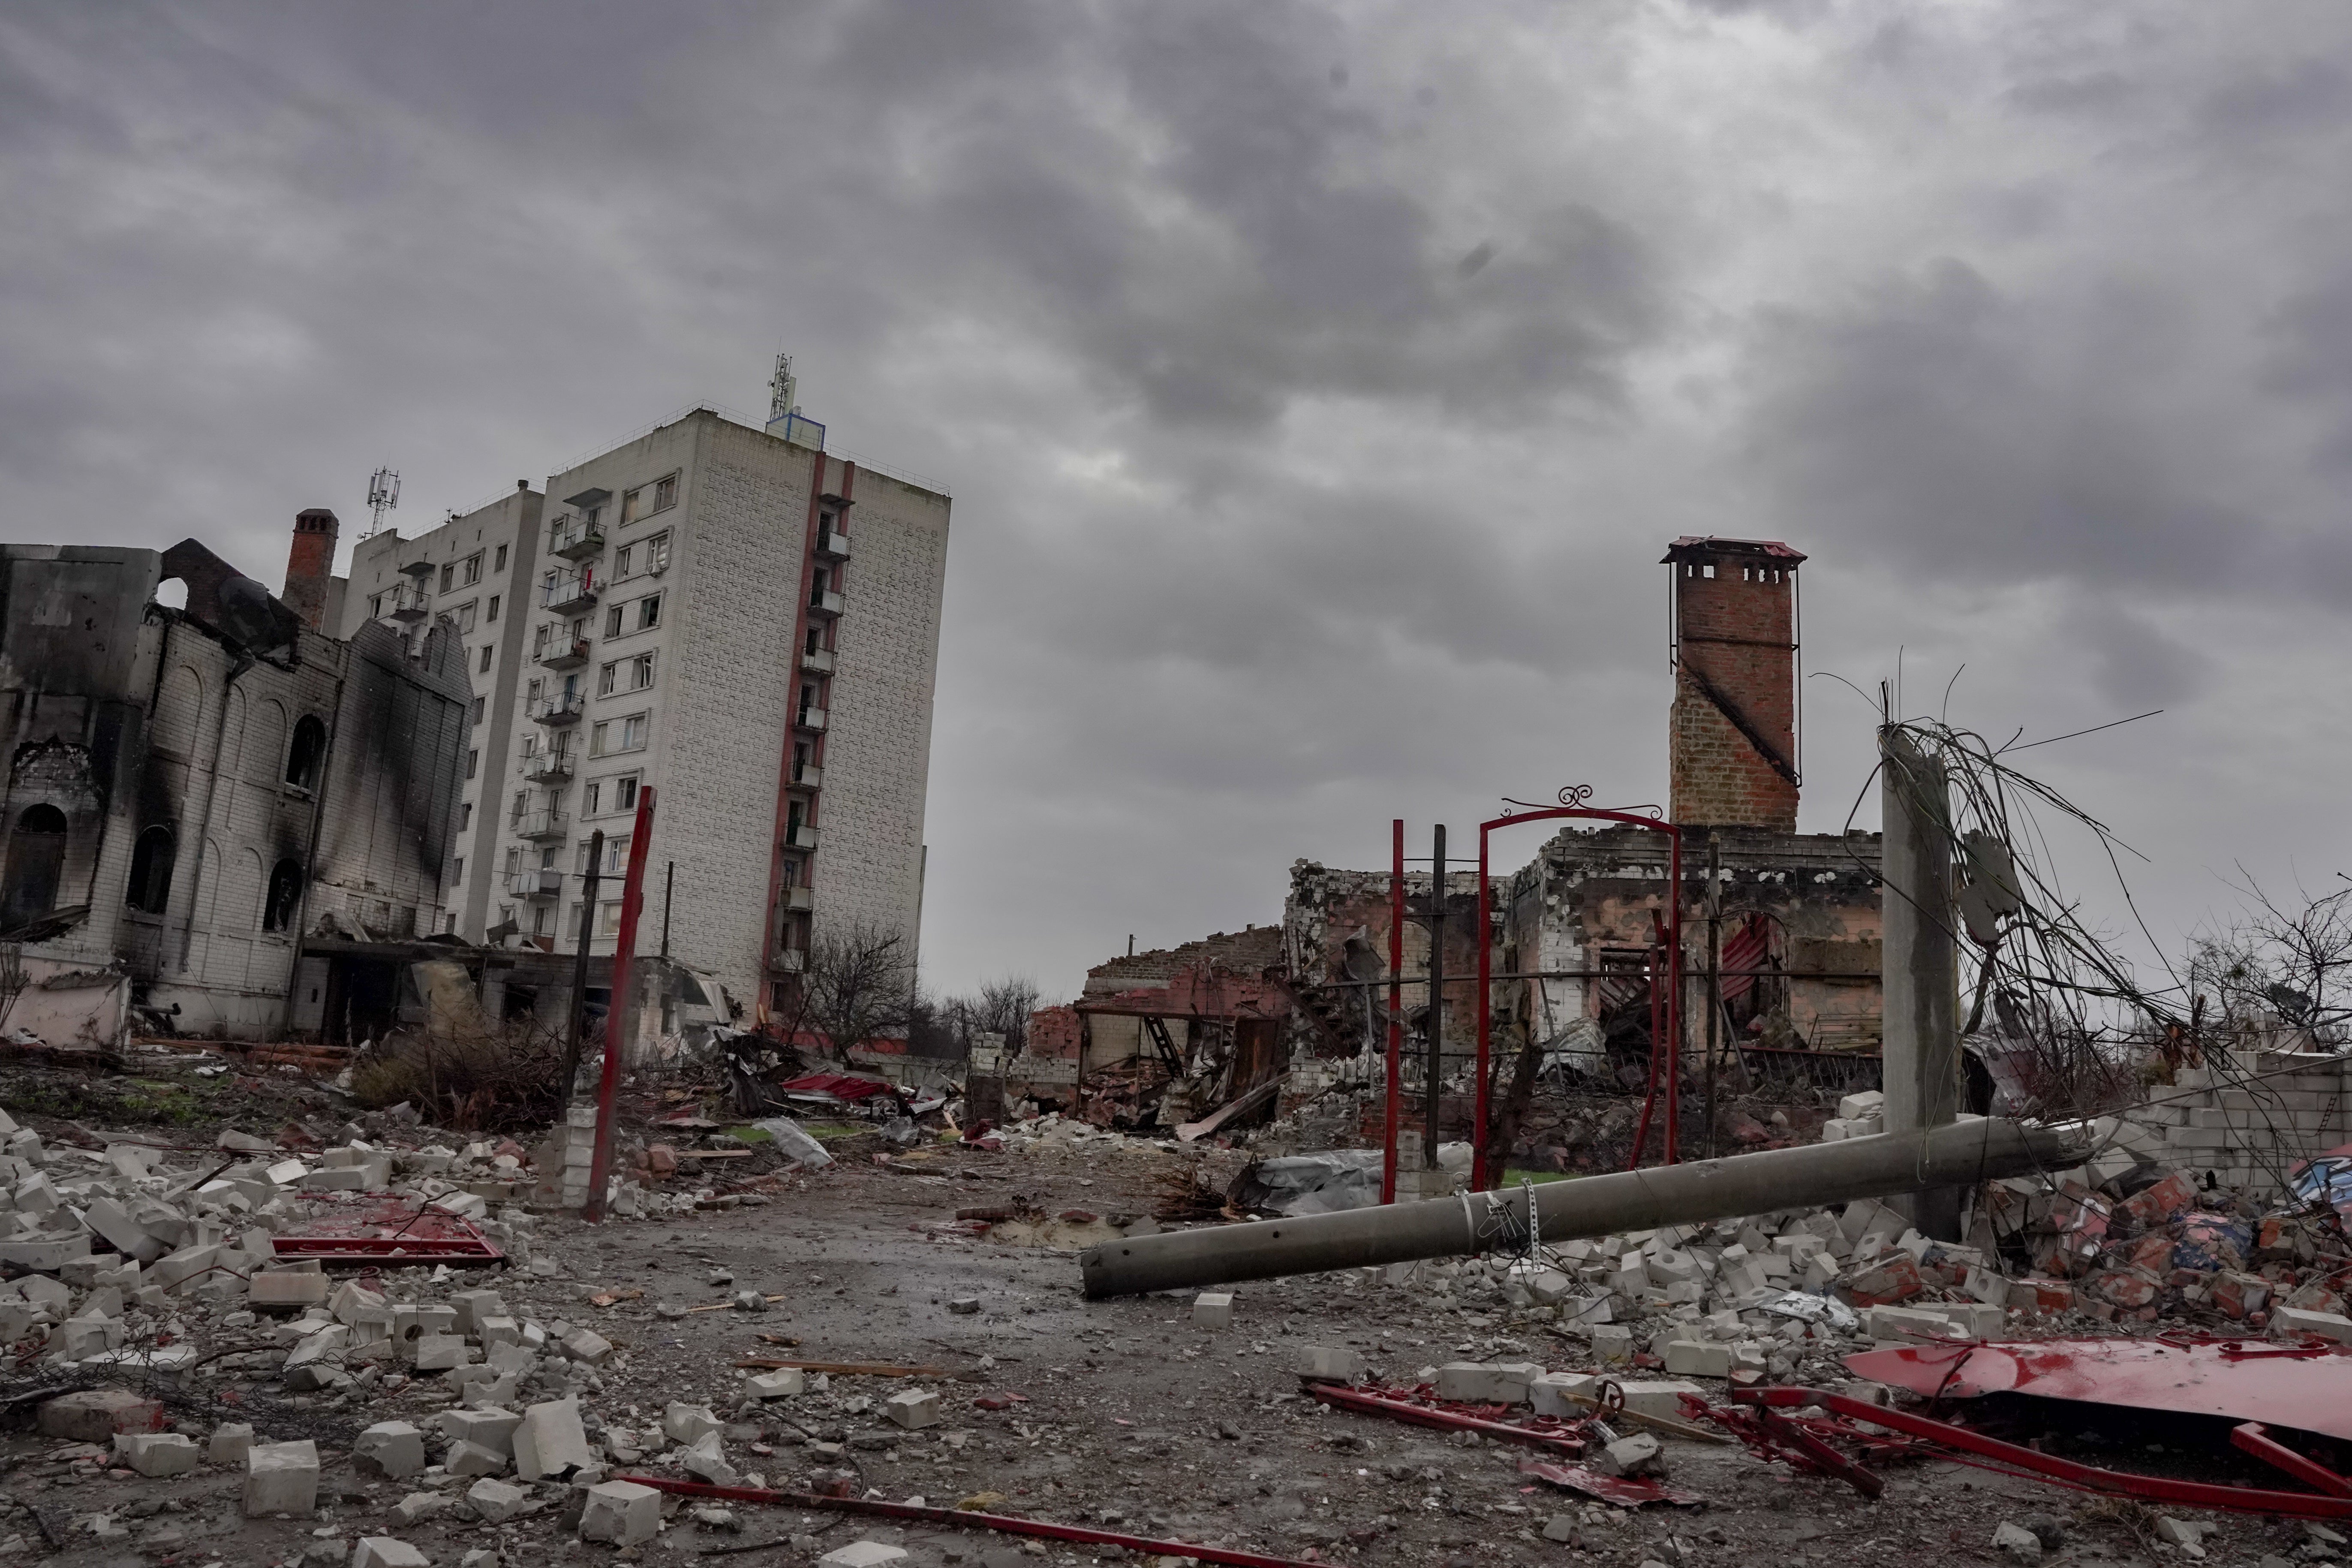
{"x": 150, "y": 871}
{"x": 307, "y": 752}
{"x": 285, "y": 893}
{"x": 36, "y": 863}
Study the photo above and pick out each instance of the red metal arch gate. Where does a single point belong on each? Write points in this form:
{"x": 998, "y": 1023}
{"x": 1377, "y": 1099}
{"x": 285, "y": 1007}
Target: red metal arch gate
{"x": 1665, "y": 1001}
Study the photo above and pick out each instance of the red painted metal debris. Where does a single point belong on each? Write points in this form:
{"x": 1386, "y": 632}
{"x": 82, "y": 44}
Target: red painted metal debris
{"x": 1946, "y": 1440}
{"x": 2307, "y": 1387}
{"x": 1623, "y": 1491}
{"x": 957, "y": 1519}
{"x": 392, "y": 1233}
{"x": 2256, "y": 1440}
{"x": 1418, "y": 1407}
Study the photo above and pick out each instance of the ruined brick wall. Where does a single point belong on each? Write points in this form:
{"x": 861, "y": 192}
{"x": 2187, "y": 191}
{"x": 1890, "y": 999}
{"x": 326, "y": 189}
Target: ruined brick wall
{"x": 1735, "y": 628}
{"x": 1326, "y": 907}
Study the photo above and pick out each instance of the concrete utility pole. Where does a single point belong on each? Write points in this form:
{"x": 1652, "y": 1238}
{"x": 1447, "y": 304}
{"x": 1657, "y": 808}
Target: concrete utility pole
{"x": 1922, "y": 962}
{"x": 1803, "y": 1177}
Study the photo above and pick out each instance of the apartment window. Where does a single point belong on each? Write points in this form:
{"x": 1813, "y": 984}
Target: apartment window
{"x": 657, "y": 552}
{"x": 649, "y": 611}
{"x": 608, "y": 919}
{"x": 514, "y": 858}
{"x": 579, "y": 628}
{"x": 539, "y": 921}
{"x": 464, "y": 815}
{"x": 605, "y": 676}
{"x": 612, "y": 621}
{"x": 799, "y": 759}
{"x": 530, "y": 747}
{"x": 819, "y": 580}
{"x": 458, "y": 869}
{"x": 499, "y": 564}
{"x": 484, "y": 661}
{"x": 594, "y": 801}
{"x": 473, "y": 761}
{"x": 816, "y": 639}
{"x": 647, "y": 500}
{"x": 530, "y": 692}
{"x": 465, "y": 616}
{"x": 473, "y": 572}
{"x": 449, "y": 576}
{"x": 625, "y": 793}
{"x": 633, "y": 731}
{"x": 479, "y": 702}
{"x": 539, "y": 641}
{"x": 491, "y": 616}
{"x": 641, "y": 672}
{"x": 598, "y": 734}
{"x": 621, "y": 560}
{"x": 376, "y": 606}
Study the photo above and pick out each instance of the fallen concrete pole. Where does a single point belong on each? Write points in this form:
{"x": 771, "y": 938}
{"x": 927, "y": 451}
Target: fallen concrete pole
{"x": 1885, "y": 1165}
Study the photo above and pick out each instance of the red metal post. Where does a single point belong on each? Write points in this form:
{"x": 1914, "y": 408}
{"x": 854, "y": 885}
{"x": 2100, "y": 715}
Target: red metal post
{"x": 1396, "y": 1009}
{"x": 1478, "y": 1177}
{"x": 625, "y": 957}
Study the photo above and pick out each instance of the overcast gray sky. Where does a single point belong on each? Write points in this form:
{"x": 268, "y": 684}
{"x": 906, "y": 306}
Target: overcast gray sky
{"x": 1317, "y": 384}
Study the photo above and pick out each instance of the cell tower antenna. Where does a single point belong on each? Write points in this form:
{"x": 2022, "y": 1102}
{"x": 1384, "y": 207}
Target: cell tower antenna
{"x": 383, "y": 495}
{"x": 782, "y": 390}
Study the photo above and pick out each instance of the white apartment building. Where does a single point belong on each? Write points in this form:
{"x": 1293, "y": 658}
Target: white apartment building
{"x": 747, "y": 625}
{"x": 476, "y": 572}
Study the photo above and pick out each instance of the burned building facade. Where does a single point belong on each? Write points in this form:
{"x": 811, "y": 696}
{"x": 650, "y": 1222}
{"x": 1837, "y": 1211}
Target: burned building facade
{"x": 193, "y": 788}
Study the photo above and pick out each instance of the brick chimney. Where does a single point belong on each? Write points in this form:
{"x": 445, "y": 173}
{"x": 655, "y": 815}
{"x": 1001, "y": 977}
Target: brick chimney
{"x": 1734, "y": 726}
{"x": 310, "y": 565}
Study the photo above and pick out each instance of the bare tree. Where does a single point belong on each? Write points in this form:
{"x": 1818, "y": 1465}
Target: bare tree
{"x": 1003, "y": 1007}
{"x": 2280, "y": 967}
{"x": 858, "y": 985}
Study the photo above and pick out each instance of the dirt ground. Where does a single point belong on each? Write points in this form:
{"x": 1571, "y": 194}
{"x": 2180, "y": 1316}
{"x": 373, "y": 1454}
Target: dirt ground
{"x": 1119, "y": 1413}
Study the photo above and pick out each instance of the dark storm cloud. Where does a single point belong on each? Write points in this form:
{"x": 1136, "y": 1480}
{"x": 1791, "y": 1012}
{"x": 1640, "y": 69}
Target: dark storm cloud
{"x": 1316, "y": 382}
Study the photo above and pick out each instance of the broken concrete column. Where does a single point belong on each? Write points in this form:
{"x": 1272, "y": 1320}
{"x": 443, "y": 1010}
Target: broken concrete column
{"x": 281, "y": 1477}
{"x": 622, "y": 1513}
{"x": 1921, "y": 964}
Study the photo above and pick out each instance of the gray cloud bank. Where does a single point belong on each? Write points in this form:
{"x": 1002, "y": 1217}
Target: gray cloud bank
{"x": 1317, "y": 384}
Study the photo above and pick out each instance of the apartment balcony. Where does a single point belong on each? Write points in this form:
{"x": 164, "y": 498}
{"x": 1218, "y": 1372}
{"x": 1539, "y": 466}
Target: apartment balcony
{"x": 547, "y": 824}
{"x": 571, "y": 592}
{"x": 559, "y": 708}
{"x": 825, "y": 606}
{"x": 420, "y": 570}
{"x": 575, "y": 540}
{"x": 807, "y": 775}
{"x": 790, "y": 961}
{"x": 799, "y": 901}
{"x": 817, "y": 660}
{"x": 831, "y": 545}
{"x": 548, "y": 767}
{"x": 567, "y": 653}
{"x": 800, "y": 836}
{"x": 410, "y": 602}
{"x": 810, "y": 720}
{"x": 540, "y": 882}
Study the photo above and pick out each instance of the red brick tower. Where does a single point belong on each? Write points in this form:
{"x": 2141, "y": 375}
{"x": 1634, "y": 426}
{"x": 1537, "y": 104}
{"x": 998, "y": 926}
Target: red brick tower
{"x": 1734, "y": 724}
{"x": 309, "y": 565}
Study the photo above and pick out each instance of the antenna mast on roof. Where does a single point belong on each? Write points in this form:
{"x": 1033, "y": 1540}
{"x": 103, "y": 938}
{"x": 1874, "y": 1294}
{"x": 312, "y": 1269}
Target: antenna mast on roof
{"x": 383, "y": 495}
{"x": 782, "y": 390}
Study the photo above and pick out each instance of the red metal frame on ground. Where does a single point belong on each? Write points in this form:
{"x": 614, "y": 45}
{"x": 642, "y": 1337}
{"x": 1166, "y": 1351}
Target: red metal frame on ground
{"x": 1990, "y": 1453}
{"x": 393, "y": 1234}
{"x": 957, "y": 1519}
{"x": 1665, "y": 1027}
{"x": 1419, "y": 1409}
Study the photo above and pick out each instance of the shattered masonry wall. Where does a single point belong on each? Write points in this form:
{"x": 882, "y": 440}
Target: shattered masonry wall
{"x": 1113, "y": 1038}
{"x": 1588, "y": 891}
{"x": 2252, "y": 1118}
{"x": 877, "y": 749}
{"x": 1326, "y": 907}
